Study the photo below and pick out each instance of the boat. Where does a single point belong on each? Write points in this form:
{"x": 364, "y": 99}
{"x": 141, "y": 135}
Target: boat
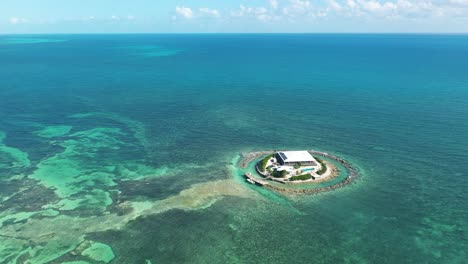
{"x": 251, "y": 181}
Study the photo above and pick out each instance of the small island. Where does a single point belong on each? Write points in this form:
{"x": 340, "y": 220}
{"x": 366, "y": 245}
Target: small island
{"x": 298, "y": 171}
{"x": 293, "y": 167}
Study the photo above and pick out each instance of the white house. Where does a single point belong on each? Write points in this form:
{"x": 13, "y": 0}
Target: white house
{"x": 291, "y": 158}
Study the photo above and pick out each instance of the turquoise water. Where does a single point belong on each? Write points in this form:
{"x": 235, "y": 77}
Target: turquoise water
{"x": 122, "y": 148}
{"x": 309, "y": 169}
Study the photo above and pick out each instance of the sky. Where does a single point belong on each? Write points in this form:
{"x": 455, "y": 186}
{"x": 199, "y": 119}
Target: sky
{"x": 233, "y": 16}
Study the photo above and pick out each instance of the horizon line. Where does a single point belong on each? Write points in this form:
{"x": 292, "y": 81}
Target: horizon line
{"x": 240, "y": 33}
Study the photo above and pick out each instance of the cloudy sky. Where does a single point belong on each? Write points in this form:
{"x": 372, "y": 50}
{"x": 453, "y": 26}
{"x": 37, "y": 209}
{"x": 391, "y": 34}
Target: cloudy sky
{"x": 224, "y": 16}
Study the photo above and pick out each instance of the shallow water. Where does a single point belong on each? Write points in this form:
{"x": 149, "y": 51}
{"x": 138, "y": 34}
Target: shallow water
{"x": 122, "y": 148}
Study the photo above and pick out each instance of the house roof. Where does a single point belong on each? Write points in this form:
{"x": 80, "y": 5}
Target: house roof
{"x": 296, "y": 156}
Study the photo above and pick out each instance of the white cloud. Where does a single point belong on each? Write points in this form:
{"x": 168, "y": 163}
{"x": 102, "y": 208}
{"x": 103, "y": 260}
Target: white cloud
{"x": 370, "y": 6}
{"x": 259, "y": 13}
{"x": 351, "y": 3}
{"x": 301, "y": 10}
{"x": 82, "y": 19}
{"x": 274, "y": 4}
{"x": 209, "y": 12}
{"x": 334, "y": 5}
{"x": 17, "y": 20}
{"x": 300, "y": 4}
{"x": 184, "y": 12}
{"x": 459, "y": 2}
{"x": 189, "y": 13}
{"x": 94, "y": 19}
{"x": 410, "y": 9}
{"x": 297, "y": 8}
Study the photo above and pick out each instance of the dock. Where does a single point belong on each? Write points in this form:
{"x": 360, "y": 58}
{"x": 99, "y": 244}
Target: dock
{"x": 248, "y": 175}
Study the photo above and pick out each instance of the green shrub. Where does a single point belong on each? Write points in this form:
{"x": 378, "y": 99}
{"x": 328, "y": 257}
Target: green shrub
{"x": 265, "y": 161}
{"x": 324, "y": 166}
{"x": 279, "y": 174}
{"x": 297, "y": 166}
{"x": 302, "y": 177}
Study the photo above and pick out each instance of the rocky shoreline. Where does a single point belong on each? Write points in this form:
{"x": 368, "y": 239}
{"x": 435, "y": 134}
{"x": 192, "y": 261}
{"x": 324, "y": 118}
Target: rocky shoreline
{"x": 353, "y": 173}
{"x": 248, "y": 157}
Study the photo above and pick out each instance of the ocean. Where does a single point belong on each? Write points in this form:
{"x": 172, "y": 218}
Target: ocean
{"x": 125, "y": 148}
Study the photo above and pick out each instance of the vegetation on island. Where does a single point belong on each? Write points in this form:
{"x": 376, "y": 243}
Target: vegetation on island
{"x": 279, "y": 174}
{"x": 265, "y": 161}
{"x": 324, "y": 166}
{"x": 302, "y": 177}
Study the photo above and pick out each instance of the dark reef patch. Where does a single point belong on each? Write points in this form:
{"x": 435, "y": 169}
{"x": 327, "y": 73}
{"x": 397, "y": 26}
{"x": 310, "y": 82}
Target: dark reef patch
{"x": 176, "y": 236}
{"x": 26, "y": 195}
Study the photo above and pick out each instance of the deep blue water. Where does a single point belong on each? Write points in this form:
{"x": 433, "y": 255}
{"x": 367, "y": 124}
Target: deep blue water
{"x": 183, "y": 106}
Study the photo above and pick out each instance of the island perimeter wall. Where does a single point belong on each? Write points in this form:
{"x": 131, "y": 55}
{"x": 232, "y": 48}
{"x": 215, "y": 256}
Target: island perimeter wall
{"x": 353, "y": 173}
